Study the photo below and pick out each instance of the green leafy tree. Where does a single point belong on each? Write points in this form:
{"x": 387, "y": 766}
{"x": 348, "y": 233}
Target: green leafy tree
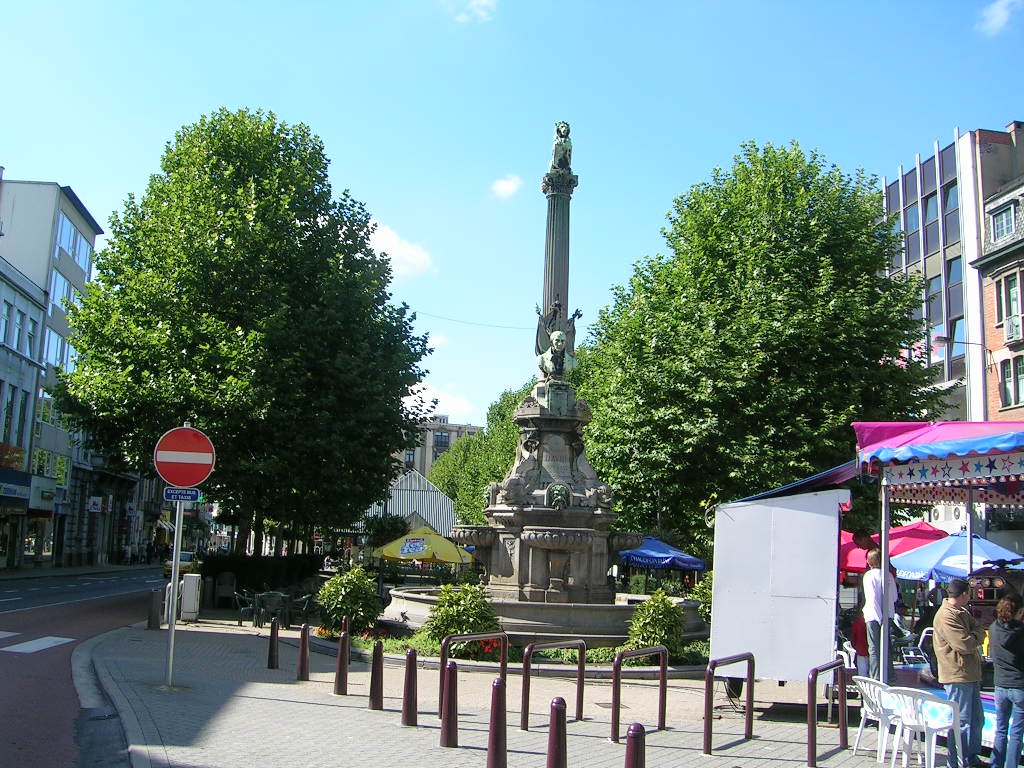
{"x": 238, "y": 296}
{"x": 385, "y": 529}
{"x": 472, "y": 463}
{"x": 737, "y": 362}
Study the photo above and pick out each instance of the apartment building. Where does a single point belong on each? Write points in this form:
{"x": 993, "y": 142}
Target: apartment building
{"x": 63, "y": 505}
{"x": 438, "y": 435}
{"x": 959, "y": 209}
{"x": 940, "y": 204}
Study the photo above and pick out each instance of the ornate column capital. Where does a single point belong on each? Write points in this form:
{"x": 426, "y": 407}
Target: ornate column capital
{"x": 559, "y": 183}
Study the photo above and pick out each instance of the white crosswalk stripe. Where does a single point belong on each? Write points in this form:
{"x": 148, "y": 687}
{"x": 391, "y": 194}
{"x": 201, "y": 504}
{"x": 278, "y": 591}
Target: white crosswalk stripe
{"x": 39, "y": 644}
{"x": 5, "y": 635}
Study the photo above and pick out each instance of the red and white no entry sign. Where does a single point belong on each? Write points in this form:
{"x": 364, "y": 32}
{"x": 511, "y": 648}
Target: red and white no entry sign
{"x": 184, "y": 457}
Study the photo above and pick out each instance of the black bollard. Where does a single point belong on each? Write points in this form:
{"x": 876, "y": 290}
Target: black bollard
{"x": 341, "y": 666}
{"x": 556, "y": 735}
{"x": 377, "y": 676}
{"x": 497, "y": 750}
{"x": 450, "y": 706}
{"x": 409, "y": 700}
{"x": 635, "y": 749}
{"x": 302, "y": 670}
{"x": 272, "y": 649}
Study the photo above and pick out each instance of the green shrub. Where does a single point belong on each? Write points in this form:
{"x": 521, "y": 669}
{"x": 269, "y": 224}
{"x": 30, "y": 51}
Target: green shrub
{"x": 638, "y": 584}
{"x": 695, "y": 653}
{"x": 673, "y": 588}
{"x": 702, "y": 594}
{"x": 351, "y": 594}
{"x": 657, "y": 621}
{"x": 458, "y": 611}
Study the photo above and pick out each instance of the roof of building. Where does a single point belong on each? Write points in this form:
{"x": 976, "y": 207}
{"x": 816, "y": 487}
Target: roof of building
{"x": 412, "y": 495}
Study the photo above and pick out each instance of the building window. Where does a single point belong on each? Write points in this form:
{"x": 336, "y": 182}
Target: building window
{"x": 1005, "y": 383}
{"x": 1008, "y": 306}
{"x": 910, "y": 218}
{"x": 441, "y": 439}
{"x": 1002, "y": 223}
{"x": 938, "y": 349}
{"x": 1018, "y": 380}
{"x": 931, "y": 208}
{"x": 5, "y": 322}
{"x": 950, "y": 198}
{"x": 1011, "y": 382}
{"x": 8, "y": 429}
{"x": 30, "y": 337}
{"x": 73, "y": 242}
{"x": 53, "y": 352}
{"x": 19, "y": 329}
{"x": 410, "y": 458}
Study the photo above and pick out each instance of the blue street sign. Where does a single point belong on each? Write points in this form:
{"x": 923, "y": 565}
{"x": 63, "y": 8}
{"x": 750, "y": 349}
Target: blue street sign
{"x": 181, "y": 494}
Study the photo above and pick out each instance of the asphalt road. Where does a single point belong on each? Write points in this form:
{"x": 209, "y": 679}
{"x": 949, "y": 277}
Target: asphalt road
{"x": 42, "y": 723}
{"x": 17, "y": 595}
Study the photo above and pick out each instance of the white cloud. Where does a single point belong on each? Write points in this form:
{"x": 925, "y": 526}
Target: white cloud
{"x": 996, "y": 15}
{"x": 437, "y": 340}
{"x": 477, "y": 10}
{"x": 407, "y": 259}
{"x": 506, "y": 186}
{"x": 456, "y": 407}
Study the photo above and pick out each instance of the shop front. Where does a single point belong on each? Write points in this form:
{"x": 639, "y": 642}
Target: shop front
{"x": 15, "y": 491}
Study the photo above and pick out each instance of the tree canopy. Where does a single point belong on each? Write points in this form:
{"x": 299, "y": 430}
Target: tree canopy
{"x": 239, "y": 296}
{"x": 736, "y": 363}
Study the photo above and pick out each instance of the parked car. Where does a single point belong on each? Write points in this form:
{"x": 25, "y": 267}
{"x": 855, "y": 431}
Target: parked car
{"x": 187, "y": 563}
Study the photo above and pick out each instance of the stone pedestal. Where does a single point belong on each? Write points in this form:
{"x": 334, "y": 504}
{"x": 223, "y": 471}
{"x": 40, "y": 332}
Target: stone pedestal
{"x": 547, "y": 539}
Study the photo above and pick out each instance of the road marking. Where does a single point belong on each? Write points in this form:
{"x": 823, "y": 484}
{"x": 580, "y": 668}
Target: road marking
{"x": 9, "y": 599}
{"x": 39, "y": 644}
{"x": 5, "y": 635}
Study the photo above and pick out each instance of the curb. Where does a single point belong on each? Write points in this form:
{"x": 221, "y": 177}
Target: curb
{"x": 538, "y": 669}
{"x": 139, "y": 752}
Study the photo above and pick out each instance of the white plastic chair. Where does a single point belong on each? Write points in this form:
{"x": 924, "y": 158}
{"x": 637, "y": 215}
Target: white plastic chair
{"x": 874, "y": 706}
{"x": 924, "y": 715}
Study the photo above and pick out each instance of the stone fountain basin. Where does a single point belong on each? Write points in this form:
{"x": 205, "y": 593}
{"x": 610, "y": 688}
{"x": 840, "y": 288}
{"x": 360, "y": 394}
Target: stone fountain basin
{"x": 599, "y": 624}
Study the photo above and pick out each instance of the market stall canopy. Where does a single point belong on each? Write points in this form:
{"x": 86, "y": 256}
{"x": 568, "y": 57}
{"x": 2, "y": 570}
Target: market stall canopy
{"x": 934, "y": 445}
{"x": 946, "y": 558}
{"x": 901, "y": 539}
{"x": 654, "y": 553}
{"x": 945, "y": 461}
{"x": 423, "y": 545}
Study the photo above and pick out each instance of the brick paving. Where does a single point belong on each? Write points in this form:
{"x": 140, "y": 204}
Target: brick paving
{"x": 227, "y": 710}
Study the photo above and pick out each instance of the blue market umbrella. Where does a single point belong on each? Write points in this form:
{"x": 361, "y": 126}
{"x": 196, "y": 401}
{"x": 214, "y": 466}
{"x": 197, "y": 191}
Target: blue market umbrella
{"x": 654, "y": 553}
{"x": 946, "y": 559}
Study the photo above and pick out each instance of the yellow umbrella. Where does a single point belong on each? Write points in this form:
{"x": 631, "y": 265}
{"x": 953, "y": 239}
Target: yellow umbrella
{"x": 425, "y": 545}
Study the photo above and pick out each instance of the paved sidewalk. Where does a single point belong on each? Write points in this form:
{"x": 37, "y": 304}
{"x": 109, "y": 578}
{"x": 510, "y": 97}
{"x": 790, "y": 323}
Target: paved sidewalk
{"x": 227, "y": 710}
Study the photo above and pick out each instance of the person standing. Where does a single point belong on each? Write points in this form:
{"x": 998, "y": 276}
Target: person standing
{"x": 1006, "y": 647}
{"x": 957, "y": 640}
{"x": 878, "y": 612}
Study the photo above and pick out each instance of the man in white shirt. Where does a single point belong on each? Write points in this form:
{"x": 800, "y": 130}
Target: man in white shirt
{"x": 878, "y": 613}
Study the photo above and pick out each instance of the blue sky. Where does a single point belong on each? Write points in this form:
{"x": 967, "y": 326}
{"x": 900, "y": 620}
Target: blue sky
{"x": 439, "y": 115}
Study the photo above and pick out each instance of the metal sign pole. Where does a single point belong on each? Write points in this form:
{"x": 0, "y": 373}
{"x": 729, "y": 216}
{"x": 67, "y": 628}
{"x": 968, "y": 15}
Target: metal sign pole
{"x": 172, "y": 606}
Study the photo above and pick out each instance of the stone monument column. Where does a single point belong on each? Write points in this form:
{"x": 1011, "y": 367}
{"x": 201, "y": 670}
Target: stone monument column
{"x": 558, "y": 184}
